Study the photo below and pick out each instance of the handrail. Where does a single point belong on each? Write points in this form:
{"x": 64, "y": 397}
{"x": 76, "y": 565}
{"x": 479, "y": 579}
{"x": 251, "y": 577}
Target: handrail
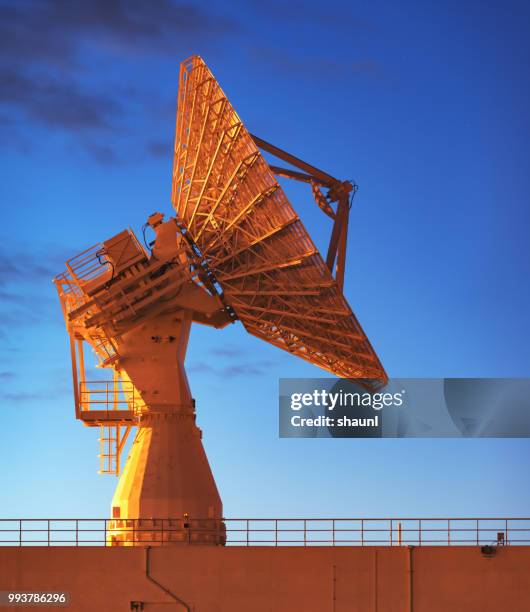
{"x": 444, "y": 531}
{"x": 96, "y": 393}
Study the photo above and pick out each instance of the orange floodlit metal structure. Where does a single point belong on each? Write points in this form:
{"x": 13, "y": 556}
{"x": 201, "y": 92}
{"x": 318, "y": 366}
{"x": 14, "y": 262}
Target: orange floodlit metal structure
{"x": 236, "y": 250}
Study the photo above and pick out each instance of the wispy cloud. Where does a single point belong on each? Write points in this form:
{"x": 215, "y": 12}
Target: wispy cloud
{"x": 22, "y": 266}
{"x": 57, "y": 102}
{"x": 230, "y": 370}
{"x": 18, "y": 397}
{"x": 36, "y": 32}
{"x": 7, "y": 296}
{"x": 51, "y": 54}
{"x": 159, "y": 148}
{"x": 227, "y": 351}
{"x": 321, "y": 67}
{"x": 26, "y": 296}
{"x": 245, "y": 369}
{"x": 317, "y": 14}
{"x": 23, "y": 396}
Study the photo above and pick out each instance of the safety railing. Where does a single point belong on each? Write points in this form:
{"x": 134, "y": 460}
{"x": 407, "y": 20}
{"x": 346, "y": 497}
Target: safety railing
{"x": 109, "y": 395}
{"x": 89, "y": 264}
{"x": 112, "y": 256}
{"x": 275, "y": 532}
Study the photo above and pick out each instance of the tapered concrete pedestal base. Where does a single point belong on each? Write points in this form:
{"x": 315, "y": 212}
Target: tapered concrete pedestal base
{"x": 167, "y": 493}
{"x": 164, "y": 532}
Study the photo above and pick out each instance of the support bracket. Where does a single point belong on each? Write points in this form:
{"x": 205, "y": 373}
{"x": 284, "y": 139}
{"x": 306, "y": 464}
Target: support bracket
{"x": 339, "y": 192}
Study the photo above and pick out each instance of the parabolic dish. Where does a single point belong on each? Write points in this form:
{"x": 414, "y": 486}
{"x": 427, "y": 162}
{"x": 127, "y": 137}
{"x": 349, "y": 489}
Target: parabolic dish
{"x": 253, "y": 242}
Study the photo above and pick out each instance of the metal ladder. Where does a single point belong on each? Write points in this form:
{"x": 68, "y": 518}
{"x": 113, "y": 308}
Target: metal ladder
{"x": 108, "y": 449}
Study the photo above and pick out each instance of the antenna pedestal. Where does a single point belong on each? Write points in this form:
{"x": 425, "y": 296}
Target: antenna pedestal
{"x": 166, "y": 476}
{"x": 167, "y": 485}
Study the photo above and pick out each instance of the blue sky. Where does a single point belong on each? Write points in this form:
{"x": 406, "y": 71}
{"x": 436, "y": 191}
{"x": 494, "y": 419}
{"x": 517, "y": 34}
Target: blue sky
{"x": 424, "y": 104}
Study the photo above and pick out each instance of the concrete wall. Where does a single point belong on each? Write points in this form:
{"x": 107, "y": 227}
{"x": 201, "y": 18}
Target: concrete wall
{"x": 256, "y": 579}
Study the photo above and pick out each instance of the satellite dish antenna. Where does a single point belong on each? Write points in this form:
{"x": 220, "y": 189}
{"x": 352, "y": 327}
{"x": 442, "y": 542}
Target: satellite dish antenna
{"x": 247, "y": 233}
{"x": 236, "y": 250}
